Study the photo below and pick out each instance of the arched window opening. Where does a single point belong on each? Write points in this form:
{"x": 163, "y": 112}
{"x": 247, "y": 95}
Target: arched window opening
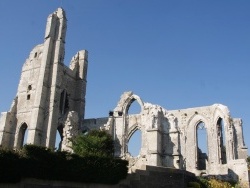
{"x": 64, "y": 102}
{"x": 221, "y": 141}
{"x": 202, "y": 147}
{"x": 59, "y": 138}
{"x": 134, "y": 108}
{"x": 134, "y": 143}
{"x": 23, "y": 135}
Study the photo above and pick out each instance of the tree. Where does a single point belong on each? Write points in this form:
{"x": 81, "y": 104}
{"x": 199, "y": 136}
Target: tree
{"x": 94, "y": 143}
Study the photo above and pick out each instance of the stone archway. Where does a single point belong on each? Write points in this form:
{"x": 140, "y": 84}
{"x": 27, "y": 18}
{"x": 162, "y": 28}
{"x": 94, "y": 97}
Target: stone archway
{"x": 202, "y": 146}
{"x": 137, "y": 141}
{"x": 126, "y": 122}
{"x": 191, "y": 142}
{"x": 150, "y": 121}
{"x": 21, "y": 135}
{"x": 221, "y": 117}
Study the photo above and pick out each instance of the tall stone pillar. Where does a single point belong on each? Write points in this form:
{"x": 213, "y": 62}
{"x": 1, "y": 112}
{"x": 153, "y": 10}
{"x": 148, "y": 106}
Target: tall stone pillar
{"x": 53, "y": 53}
{"x": 154, "y": 147}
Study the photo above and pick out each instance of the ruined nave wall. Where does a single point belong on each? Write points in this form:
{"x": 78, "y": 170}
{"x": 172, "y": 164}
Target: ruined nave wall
{"x": 170, "y": 137}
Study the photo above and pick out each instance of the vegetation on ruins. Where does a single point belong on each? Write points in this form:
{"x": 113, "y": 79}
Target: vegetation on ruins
{"x": 43, "y": 163}
{"x": 94, "y": 143}
{"x": 212, "y": 182}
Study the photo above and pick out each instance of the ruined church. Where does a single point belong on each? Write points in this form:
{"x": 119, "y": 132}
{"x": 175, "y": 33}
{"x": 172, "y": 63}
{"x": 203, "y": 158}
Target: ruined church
{"x": 51, "y": 98}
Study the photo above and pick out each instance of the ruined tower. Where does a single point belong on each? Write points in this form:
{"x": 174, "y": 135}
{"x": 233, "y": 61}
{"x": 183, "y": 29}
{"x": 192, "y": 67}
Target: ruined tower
{"x": 48, "y": 91}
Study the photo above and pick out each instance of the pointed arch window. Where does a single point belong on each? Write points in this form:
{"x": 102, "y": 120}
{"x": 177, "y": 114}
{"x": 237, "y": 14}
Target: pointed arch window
{"x": 22, "y": 135}
{"x": 59, "y": 138}
{"x": 64, "y": 102}
{"x": 134, "y": 143}
{"x": 134, "y": 108}
{"x": 202, "y": 147}
{"x": 221, "y": 141}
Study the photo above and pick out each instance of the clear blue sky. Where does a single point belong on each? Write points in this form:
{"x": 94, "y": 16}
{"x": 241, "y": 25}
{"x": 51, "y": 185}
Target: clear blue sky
{"x": 174, "y": 53}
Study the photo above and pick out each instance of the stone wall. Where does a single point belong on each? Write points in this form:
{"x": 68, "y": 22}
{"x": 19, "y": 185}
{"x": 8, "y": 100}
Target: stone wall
{"x": 170, "y": 138}
{"x": 88, "y": 124}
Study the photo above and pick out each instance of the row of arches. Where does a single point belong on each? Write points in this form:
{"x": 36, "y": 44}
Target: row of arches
{"x": 23, "y": 136}
{"x": 135, "y": 141}
{"x": 202, "y": 151}
{"x": 201, "y": 140}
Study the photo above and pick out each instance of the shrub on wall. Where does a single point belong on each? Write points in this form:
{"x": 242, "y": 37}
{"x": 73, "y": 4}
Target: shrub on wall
{"x": 208, "y": 182}
{"x": 94, "y": 143}
{"x": 219, "y": 184}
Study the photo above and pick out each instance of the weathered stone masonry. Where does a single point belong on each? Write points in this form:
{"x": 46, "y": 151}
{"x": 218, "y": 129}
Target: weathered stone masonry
{"x": 48, "y": 90}
{"x": 51, "y": 98}
{"x": 169, "y": 138}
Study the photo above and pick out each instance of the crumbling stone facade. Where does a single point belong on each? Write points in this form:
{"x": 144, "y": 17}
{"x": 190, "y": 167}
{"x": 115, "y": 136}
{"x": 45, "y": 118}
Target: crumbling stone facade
{"x": 51, "y": 98}
{"x": 170, "y": 138}
{"x": 48, "y": 91}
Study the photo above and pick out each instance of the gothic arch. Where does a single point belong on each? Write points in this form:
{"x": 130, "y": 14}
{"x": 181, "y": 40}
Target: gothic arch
{"x": 202, "y": 148}
{"x": 129, "y": 101}
{"x": 192, "y": 160}
{"x": 122, "y": 109}
{"x": 222, "y": 112}
{"x": 196, "y": 119}
{"x": 130, "y": 134}
{"x": 20, "y": 136}
{"x": 132, "y": 130}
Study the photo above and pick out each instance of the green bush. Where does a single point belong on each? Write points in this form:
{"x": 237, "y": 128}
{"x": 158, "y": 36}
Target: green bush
{"x": 9, "y": 166}
{"x": 204, "y": 182}
{"x": 95, "y": 143}
{"x": 97, "y": 169}
{"x": 194, "y": 185}
{"x": 43, "y": 163}
{"x": 219, "y": 184}
{"x": 37, "y": 162}
{"x": 213, "y": 182}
